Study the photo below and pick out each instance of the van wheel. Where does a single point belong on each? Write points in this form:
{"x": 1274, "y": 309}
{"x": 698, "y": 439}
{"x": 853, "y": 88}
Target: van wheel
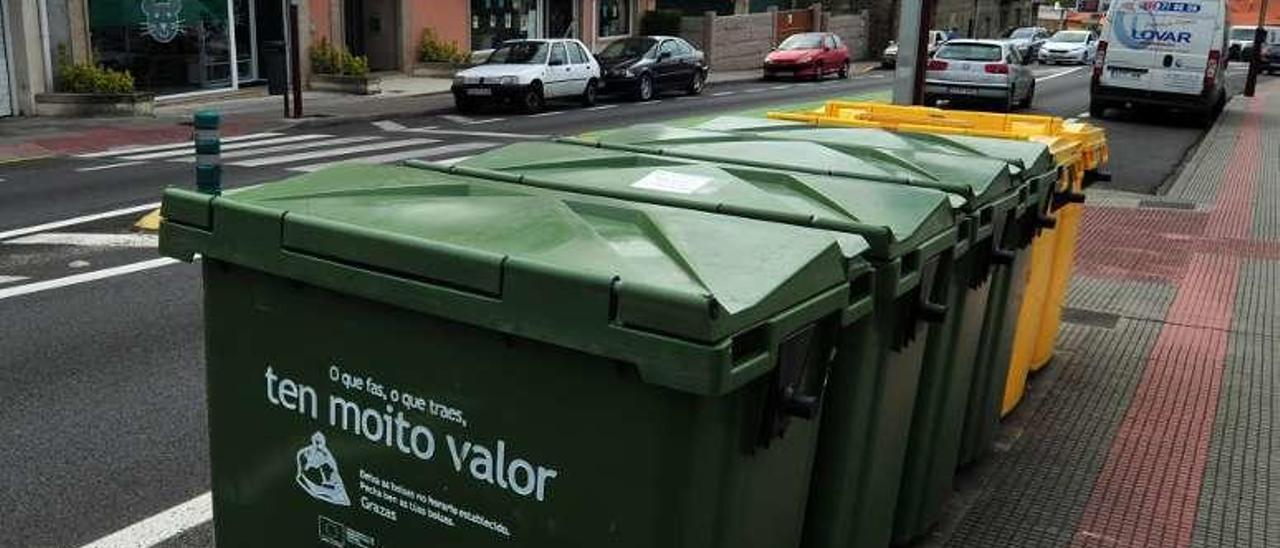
{"x": 1097, "y": 110}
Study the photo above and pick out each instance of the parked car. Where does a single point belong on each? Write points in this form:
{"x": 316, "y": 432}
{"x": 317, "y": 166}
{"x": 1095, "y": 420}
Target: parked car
{"x": 808, "y": 54}
{"x": 1027, "y": 40}
{"x": 1069, "y": 46}
{"x": 643, "y": 66}
{"x": 1241, "y": 43}
{"x": 527, "y": 73}
{"x": 1165, "y": 55}
{"x": 980, "y": 70}
{"x": 889, "y": 57}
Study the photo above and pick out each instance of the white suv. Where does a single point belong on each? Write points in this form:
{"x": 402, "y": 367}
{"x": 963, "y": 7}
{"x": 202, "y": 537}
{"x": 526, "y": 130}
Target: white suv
{"x": 528, "y": 72}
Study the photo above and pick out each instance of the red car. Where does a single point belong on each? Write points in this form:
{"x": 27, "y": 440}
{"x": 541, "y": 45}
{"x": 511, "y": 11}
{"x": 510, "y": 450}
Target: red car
{"x": 808, "y": 55}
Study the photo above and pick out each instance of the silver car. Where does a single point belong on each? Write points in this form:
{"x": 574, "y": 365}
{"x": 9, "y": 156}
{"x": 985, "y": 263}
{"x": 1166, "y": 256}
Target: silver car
{"x": 1070, "y": 46}
{"x": 980, "y": 70}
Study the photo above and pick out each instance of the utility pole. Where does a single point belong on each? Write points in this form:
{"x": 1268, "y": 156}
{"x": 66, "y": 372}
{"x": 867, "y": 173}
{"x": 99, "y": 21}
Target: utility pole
{"x": 1255, "y": 62}
{"x": 915, "y": 20}
{"x": 295, "y": 59}
{"x": 288, "y": 66}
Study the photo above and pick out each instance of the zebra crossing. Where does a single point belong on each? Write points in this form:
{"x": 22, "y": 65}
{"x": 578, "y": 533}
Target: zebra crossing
{"x": 304, "y": 152}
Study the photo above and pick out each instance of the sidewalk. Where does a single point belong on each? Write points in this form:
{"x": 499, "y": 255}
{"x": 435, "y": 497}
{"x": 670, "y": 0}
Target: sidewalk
{"x": 1156, "y": 423}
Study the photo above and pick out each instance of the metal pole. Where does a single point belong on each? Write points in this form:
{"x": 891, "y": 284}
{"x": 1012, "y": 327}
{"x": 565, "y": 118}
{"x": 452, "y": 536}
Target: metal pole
{"x": 913, "y": 51}
{"x": 296, "y": 59}
{"x": 288, "y": 64}
{"x": 1255, "y": 62}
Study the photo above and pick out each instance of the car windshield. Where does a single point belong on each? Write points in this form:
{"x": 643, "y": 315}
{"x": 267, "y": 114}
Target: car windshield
{"x": 801, "y": 41}
{"x": 1242, "y": 33}
{"x": 519, "y": 53}
{"x": 1070, "y": 37}
{"x": 1023, "y": 33}
{"x": 970, "y": 52}
{"x": 629, "y": 47}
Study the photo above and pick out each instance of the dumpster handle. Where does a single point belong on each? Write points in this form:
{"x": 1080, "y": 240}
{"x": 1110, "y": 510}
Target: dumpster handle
{"x": 1046, "y": 221}
{"x": 1002, "y": 256}
{"x": 933, "y": 312}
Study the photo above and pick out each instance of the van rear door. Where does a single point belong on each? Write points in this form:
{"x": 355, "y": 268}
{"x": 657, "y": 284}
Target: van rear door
{"x": 1160, "y": 45}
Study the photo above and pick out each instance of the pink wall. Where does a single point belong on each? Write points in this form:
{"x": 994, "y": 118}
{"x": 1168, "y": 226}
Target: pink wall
{"x": 321, "y": 25}
{"x": 450, "y": 19}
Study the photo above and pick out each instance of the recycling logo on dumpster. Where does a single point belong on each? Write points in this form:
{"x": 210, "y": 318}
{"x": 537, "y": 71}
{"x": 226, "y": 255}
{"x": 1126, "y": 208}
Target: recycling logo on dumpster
{"x": 318, "y": 473}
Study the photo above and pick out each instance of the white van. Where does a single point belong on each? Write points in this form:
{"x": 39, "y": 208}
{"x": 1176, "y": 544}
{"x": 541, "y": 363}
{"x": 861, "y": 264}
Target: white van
{"x": 1170, "y": 54}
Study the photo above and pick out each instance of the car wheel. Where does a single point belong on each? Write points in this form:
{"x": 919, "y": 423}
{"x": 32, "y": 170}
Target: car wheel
{"x": 533, "y": 100}
{"x": 697, "y": 83}
{"x": 465, "y": 105}
{"x": 644, "y": 88}
{"x": 844, "y": 70}
{"x": 1031, "y": 96}
{"x": 589, "y": 94}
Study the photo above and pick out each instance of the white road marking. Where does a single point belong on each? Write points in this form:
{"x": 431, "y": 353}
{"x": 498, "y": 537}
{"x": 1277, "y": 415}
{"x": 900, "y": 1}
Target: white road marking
{"x": 753, "y": 90}
{"x": 110, "y": 166}
{"x": 389, "y": 125}
{"x": 288, "y": 148}
{"x": 452, "y": 161}
{"x": 1083, "y": 115}
{"x": 494, "y": 134}
{"x": 400, "y": 156}
{"x": 84, "y": 239}
{"x": 330, "y": 152}
{"x": 469, "y": 121}
{"x": 547, "y": 113}
{"x": 152, "y": 148}
{"x": 160, "y": 527}
{"x": 191, "y": 149}
{"x": 724, "y": 93}
{"x": 27, "y": 289}
{"x": 603, "y": 107}
{"x": 646, "y": 103}
{"x": 76, "y": 220}
{"x": 11, "y": 279}
{"x": 788, "y": 86}
{"x": 1063, "y": 73}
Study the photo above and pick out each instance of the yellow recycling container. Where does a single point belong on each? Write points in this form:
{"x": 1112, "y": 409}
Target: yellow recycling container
{"x": 1078, "y": 148}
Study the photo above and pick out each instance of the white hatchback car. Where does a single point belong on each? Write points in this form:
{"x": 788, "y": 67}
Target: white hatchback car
{"x": 528, "y": 73}
{"x": 1070, "y": 46}
{"x": 986, "y": 70}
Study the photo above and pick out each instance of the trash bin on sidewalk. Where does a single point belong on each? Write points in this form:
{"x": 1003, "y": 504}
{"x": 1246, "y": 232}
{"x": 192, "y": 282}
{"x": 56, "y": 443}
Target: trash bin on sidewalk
{"x": 870, "y": 409}
{"x": 399, "y": 357}
{"x": 981, "y": 348}
{"x": 274, "y": 66}
{"x": 983, "y": 197}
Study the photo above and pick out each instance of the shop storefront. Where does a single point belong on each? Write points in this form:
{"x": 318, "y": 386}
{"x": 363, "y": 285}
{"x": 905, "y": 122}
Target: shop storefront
{"x": 495, "y": 21}
{"x": 178, "y": 46}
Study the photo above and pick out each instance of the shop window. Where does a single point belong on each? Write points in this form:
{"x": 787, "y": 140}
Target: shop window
{"x": 615, "y": 18}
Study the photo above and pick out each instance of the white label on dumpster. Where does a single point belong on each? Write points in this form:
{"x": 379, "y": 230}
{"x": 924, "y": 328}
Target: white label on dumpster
{"x": 670, "y": 181}
{"x": 397, "y": 420}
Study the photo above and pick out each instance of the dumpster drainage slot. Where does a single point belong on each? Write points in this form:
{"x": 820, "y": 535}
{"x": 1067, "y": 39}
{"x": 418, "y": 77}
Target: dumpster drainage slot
{"x": 751, "y": 344}
{"x": 1091, "y": 318}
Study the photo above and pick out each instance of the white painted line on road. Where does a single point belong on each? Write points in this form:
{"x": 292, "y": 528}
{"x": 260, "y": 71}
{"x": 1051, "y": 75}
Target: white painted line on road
{"x": 788, "y": 86}
{"x": 191, "y": 150}
{"x": 11, "y": 279}
{"x": 330, "y": 152}
{"x": 1063, "y": 73}
{"x": 724, "y": 94}
{"x": 110, "y": 166}
{"x": 76, "y": 220}
{"x": 389, "y": 125}
{"x": 152, "y": 148}
{"x": 1084, "y": 114}
{"x": 76, "y": 279}
{"x": 160, "y": 527}
{"x": 495, "y": 134}
{"x": 400, "y": 156}
{"x": 288, "y": 148}
{"x": 603, "y": 107}
{"x": 85, "y": 239}
{"x": 646, "y": 103}
{"x": 468, "y": 121}
{"x": 547, "y": 113}
{"x": 452, "y": 161}
{"x": 753, "y": 90}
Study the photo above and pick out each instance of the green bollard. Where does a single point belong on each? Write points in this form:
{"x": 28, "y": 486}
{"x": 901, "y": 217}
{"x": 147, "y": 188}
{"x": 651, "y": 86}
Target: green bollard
{"x": 208, "y": 152}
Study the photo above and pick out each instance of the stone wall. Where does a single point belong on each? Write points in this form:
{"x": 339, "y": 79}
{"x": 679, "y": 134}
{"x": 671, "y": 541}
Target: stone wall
{"x": 740, "y": 42}
{"x": 853, "y": 30}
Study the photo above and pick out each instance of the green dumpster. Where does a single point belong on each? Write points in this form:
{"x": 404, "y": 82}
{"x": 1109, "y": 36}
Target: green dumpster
{"x": 1036, "y": 167}
{"x": 911, "y": 233}
{"x": 399, "y": 357}
{"x": 996, "y": 194}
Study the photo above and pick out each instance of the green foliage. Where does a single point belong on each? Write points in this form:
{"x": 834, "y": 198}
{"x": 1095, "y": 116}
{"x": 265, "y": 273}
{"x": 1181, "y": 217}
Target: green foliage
{"x": 90, "y": 77}
{"x": 433, "y": 50}
{"x": 329, "y": 59}
{"x": 661, "y": 22}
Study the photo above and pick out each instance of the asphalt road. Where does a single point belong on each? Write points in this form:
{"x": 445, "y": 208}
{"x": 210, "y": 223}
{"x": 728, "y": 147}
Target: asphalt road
{"x": 103, "y": 418}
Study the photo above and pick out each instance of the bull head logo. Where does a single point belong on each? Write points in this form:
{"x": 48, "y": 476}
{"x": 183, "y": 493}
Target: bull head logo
{"x": 164, "y": 19}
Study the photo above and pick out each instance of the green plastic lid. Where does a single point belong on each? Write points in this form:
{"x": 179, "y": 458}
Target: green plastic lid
{"x": 894, "y": 219}
{"x": 1034, "y": 158}
{"x": 978, "y": 179}
{"x": 668, "y": 289}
